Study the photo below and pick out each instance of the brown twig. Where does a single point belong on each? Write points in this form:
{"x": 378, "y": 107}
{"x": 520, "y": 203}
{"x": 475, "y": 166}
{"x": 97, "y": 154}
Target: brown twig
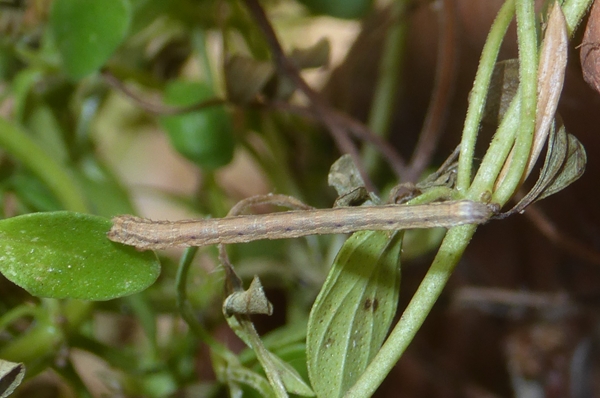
{"x": 550, "y": 231}
{"x": 488, "y": 298}
{"x": 445, "y": 79}
{"x": 318, "y": 105}
{"x": 157, "y": 108}
{"x": 356, "y": 128}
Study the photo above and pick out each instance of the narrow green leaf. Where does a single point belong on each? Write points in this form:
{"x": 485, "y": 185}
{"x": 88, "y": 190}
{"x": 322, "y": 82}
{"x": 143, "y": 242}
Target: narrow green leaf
{"x": 354, "y": 310}
{"x": 16, "y": 142}
{"x": 87, "y": 32}
{"x": 67, "y": 255}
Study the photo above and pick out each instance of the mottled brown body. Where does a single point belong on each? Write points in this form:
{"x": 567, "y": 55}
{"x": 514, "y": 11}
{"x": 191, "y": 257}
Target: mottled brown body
{"x": 147, "y": 234}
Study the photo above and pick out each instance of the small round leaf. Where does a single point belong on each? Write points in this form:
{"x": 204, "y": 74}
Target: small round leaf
{"x": 67, "y": 255}
{"x": 87, "y": 32}
{"x": 204, "y": 136}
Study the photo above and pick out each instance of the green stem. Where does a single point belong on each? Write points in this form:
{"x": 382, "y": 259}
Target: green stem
{"x": 18, "y": 144}
{"x": 17, "y": 313}
{"x": 68, "y": 372}
{"x": 185, "y": 309}
{"x": 517, "y": 127}
{"x": 528, "y": 66}
{"x": 416, "y": 312}
{"x": 390, "y": 71}
{"x": 497, "y": 152}
{"x": 479, "y": 92}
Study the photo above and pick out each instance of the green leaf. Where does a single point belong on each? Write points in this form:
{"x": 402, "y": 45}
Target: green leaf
{"x": 354, "y": 310}
{"x": 87, "y": 32}
{"x": 17, "y": 142}
{"x": 348, "y": 9}
{"x": 67, "y": 255}
{"x": 205, "y": 136}
{"x": 32, "y": 193}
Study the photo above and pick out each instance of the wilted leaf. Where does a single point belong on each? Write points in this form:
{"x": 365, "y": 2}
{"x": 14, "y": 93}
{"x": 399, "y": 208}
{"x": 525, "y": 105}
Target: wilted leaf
{"x": 315, "y": 56}
{"x": 11, "y": 375}
{"x": 87, "y": 32}
{"x": 503, "y": 87}
{"x": 345, "y": 178}
{"x": 245, "y": 77}
{"x": 572, "y": 168}
{"x": 551, "y": 76}
{"x": 354, "y": 310}
{"x": 248, "y": 302}
{"x": 565, "y": 163}
{"x": 67, "y": 255}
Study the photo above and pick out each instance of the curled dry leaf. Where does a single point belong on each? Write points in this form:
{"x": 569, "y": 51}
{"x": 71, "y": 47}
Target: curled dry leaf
{"x": 11, "y": 375}
{"x": 590, "y": 49}
{"x": 251, "y": 301}
{"x": 315, "y": 56}
{"x": 551, "y": 73}
{"x": 245, "y": 77}
{"x": 565, "y": 163}
{"x": 551, "y": 76}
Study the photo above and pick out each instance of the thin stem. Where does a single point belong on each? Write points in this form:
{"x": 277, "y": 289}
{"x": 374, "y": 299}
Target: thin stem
{"x": 479, "y": 92}
{"x": 390, "y": 71}
{"x": 319, "y": 106}
{"x": 354, "y": 127}
{"x": 185, "y": 308}
{"x": 21, "y": 311}
{"x": 560, "y": 239}
{"x": 498, "y": 151}
{"x": 153, "y": 107}
{"x": 528, "y": 67}
{"x": 19, "y": 144}
{"x": 416, "y": 312}
{"x": 68, "y": 372}
{"x": 445, "y": 79}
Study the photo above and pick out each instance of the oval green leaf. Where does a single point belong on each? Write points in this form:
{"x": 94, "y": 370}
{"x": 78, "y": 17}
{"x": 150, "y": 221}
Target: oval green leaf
{"x": 87, "y": 32}
{"x": 67, "y": 255}
{"x": 354, "y": 310}
{"x": 205, "y": 136}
